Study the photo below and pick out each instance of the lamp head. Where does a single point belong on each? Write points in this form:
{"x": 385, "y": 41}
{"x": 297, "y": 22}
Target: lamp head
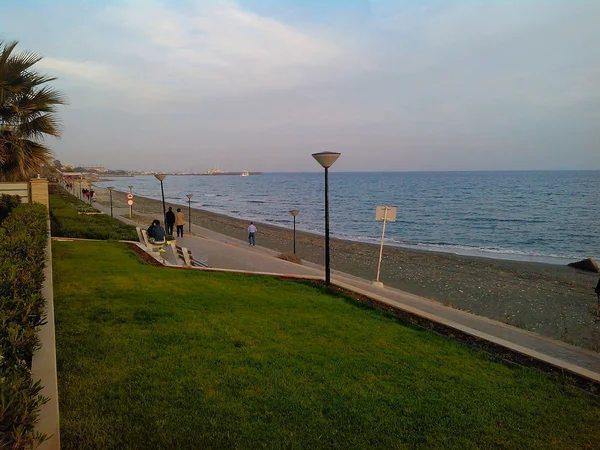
{"x": 189, "y": 196}
{"x": 326, "y": 159}
{"x": 110, "y": 188}
{"x": 294, "y": 212}
{"x": 160, "y": 176}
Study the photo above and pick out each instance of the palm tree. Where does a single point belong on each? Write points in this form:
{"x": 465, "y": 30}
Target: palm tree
{"x": 27, "y": 114}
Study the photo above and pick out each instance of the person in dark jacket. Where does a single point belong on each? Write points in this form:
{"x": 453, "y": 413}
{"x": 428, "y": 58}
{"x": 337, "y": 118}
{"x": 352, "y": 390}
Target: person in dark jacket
{"x": 158, "y": 233}
{"x": 170, "y": 217}
{"x": 151, "y": 228}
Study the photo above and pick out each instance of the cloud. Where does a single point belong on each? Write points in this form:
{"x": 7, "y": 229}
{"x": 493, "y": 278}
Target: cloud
{"x": 221, "y": 49}
{"x": 161, "y": 53}
{"x": 429, "y": 84}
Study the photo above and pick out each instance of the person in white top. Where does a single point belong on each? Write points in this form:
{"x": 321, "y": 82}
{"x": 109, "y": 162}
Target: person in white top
{"x": 251, "y": 234}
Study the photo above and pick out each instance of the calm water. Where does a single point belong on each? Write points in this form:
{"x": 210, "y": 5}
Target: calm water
{"x": 536, "y": 216}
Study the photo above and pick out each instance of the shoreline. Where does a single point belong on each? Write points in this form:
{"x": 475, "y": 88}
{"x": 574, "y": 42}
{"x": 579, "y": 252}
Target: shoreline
{"x": 553, "y": 300}
{"x": 418, "y": 230}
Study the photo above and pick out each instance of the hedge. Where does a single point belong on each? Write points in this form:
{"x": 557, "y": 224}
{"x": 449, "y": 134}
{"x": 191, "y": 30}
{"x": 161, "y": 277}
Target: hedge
{"x": 69, "y": 218}
{"x": 7, "y": 204}
{"x": 23, "y": 240}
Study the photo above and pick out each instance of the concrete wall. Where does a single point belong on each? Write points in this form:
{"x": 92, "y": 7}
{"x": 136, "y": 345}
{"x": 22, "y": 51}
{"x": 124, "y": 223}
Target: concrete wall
{"x": 20, "y": 189}
{"x": 43, "y": 365}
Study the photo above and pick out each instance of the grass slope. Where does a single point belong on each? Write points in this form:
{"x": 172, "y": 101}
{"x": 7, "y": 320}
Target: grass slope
{"x": 159, "y": 358}
{"x": 66, "y": 220}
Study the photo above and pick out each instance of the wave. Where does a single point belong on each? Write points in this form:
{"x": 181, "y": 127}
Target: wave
{"x": 495, "y": 219}
{"x": 504, "y": 218}
{"x": 465, "y": 250}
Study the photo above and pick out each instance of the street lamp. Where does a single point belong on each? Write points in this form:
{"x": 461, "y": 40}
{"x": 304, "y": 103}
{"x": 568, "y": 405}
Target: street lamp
{"x": 110, "y": 189}
{"x": 80, "y": 193}
{"x": 294, "y": 212}
{"x": 189, "y": 196}
{"x": 160, "y": 177}
{"x": 326, "y": 159}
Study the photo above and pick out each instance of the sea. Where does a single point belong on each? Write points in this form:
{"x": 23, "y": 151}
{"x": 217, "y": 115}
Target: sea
{"x": 540, "y": 216}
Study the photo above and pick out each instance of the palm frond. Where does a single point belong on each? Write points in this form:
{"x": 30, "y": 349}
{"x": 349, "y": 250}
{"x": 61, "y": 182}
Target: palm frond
{"x": 38, "y": 127}
{"x": 27, "y": 114}
{"x": 24, "y": 160}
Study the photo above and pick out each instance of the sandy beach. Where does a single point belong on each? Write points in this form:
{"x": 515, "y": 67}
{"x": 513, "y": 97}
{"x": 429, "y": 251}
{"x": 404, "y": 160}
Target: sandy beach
{"x": 555, "y": 301}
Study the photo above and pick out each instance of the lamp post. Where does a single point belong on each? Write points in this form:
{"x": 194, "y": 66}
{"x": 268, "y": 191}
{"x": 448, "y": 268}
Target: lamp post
{"x": 189, "y": 196}
{"x": 130, "y": 206}
{"x": 160, "y": 177}
{"x": 80, "y": 193}
{"x": 110, "y": 189}
{"x": 326, "y": 159}
{"x": 294, "y": 212}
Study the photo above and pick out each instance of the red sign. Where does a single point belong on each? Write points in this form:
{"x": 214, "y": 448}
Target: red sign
{"x": 130, "y": 202}
{"x": 129, "y": 196}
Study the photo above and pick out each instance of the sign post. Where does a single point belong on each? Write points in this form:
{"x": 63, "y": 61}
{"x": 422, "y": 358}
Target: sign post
{"x": 130, "y": 202}
{"x": 130, "y": 205}
{"x": 385, "y": 214}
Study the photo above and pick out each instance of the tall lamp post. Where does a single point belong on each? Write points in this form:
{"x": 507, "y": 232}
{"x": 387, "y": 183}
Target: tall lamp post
{"x": 110, "y": 189}
{"x": 160, "y": 177}
{"x": 294, "y": 212}
{"x": 189, "y": 196}
{"x": 326, "y": 159}
{"x": 80, "y": 193}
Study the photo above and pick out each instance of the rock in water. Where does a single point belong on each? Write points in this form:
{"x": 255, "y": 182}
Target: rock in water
{"x": 586, "y": 264}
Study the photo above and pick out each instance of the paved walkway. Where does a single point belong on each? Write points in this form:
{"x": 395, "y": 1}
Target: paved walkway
{"x": 228, "y": 253}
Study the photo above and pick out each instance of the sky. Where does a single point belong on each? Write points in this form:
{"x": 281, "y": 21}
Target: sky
{"x": 260, "y": 85}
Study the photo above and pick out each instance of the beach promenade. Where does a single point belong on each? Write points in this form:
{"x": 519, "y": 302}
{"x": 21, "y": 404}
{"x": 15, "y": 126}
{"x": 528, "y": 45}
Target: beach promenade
{"x": 224, "y": 252}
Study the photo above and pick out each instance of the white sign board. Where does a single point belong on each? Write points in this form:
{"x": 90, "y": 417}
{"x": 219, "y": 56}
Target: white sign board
{"x": 389, "y": 212}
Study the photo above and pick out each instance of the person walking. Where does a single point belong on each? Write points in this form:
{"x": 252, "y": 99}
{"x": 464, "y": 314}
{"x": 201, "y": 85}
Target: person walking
{"x": 179, "y": 221}
{"x": 170, "y": 218}
{"x": 251, "y": 234}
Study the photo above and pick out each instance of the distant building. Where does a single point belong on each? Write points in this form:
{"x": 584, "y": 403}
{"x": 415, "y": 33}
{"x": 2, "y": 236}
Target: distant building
{"x": 99, "y": 169}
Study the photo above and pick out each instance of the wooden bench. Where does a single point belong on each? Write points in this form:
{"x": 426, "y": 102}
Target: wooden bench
{"x": 153, "y": 247}
{"x": 186, "y": 256}
{"x": 174, "y": 254}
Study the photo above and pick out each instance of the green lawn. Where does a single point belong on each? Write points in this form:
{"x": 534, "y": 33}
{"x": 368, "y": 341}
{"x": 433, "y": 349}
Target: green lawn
{"x": 70, "y": 217}
{"x": 162, "y": 358}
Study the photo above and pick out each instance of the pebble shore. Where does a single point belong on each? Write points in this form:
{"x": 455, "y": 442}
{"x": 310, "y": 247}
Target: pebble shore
{"x": 556, "y": 301}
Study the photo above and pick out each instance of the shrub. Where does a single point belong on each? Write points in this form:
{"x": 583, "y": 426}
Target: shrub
{"x": 291, "y": 257}
{"x": 23, "y": 239}
{"x": 66, "y": 220}
{"x": 7, "y": 204}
